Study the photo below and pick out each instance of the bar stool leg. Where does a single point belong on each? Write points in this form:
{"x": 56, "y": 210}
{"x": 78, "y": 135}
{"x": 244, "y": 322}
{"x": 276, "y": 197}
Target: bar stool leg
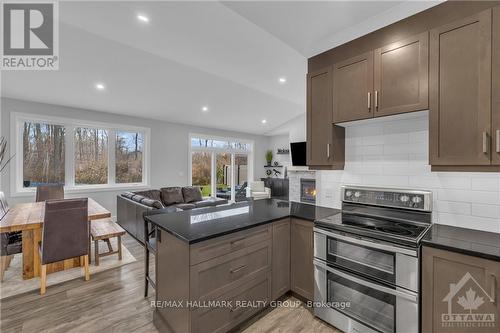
{"x": 119, "y": 247}
{"x": 96, "y": 250}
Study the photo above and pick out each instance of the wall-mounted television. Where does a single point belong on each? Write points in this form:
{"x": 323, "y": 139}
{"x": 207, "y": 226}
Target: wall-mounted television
{"x": 299, "y": 153}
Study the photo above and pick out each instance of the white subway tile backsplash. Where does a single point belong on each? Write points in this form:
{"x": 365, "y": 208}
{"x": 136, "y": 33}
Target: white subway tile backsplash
{"x": 486, "y": 184}
{"x": 394, "y": 153}
{"x": 492, "y": 211}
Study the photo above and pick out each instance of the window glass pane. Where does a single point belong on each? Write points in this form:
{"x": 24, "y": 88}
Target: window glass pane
{"x": 91, "y": 156}
{"x": 201, "y": 164}
{"x": 219, "y": 144}
{"x": 223, "y": 175}
{"x": 43, "y": 154}
{"x": 129, "y": 157}
{"x": 240, "y": 176}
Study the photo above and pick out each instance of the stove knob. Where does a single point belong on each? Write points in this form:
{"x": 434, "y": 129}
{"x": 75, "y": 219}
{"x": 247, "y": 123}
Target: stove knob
{"x": 348, "y": 194}
{"x": 404, "y": 198}
{"x": 416, "y": 200}
{"x": 357, "y": 194}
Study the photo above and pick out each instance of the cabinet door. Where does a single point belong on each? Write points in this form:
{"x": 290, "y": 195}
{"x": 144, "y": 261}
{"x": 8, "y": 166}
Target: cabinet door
{"x": 457, "y": 284}
{"x": 281, "y": 258}
{"x": 319, "y": 117}
{"x": 460, "y": 92}
{"x": 401, "y": 76}
{"x": 496, "y": 87}
{"x": 302, "y": 251}
{"x": 352, "y": 88}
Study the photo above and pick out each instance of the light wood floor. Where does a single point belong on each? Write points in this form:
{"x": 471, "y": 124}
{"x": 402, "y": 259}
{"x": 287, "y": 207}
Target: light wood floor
{"x": 112, "y": 301}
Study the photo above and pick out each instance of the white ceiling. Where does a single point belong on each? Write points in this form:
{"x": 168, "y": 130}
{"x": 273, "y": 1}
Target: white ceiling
{"x": 227, "y": 56}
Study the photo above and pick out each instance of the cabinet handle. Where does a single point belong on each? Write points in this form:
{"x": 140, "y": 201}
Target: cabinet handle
{"x": 328, "y": 150}
{"x": 485, "y": 142}
{"x": 369, "y": 101}
{"x": 493, "y": 294}
{"x": 236, "y": 270}
{"x": 376, "y": 99}
{"x": 498, "y": 141}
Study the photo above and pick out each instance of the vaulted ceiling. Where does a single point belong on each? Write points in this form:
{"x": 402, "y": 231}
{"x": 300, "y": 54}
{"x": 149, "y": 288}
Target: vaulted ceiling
{"x": 227, "y": 56}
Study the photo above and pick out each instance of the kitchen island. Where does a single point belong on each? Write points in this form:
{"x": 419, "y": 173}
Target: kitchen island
{"x": 216, "y": 267}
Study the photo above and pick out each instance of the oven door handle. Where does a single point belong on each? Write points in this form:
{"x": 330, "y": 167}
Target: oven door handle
{"x": 406, "y": 294}
{"x": 370, "y": 244}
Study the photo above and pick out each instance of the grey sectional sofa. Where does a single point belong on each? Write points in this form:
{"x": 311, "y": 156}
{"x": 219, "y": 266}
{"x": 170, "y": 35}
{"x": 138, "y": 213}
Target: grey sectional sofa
{"x": 131, "y": 206}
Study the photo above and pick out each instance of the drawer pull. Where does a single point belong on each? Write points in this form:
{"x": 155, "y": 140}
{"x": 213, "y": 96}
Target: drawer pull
{"x": 493, "y": 294}
{"x": 236, "y": 270}
{"x": 328, "y": 150}
{"x": 369, "y": 101}
{"x": 498, "y": 140}
{"x": 376, "y": 99}
{"x": 235, "y": 242}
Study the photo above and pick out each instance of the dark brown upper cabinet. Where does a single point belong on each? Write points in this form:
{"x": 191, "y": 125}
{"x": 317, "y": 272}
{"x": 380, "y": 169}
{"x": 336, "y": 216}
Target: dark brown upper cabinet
{"x": 460, "y": 92}
{"x": 353, "y": 88}
{"x": 325, "y": 142}
{"x": 401, "y": 79}
{"x": 496, "y": 87}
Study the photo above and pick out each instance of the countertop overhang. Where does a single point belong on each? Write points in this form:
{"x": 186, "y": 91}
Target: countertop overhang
{"x": 198, "y": 225}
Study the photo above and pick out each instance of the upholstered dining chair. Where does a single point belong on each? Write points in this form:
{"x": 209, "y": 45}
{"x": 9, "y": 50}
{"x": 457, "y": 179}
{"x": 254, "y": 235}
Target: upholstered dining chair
{"x": 65, "y": 235}
{"x": 49, "y": 192}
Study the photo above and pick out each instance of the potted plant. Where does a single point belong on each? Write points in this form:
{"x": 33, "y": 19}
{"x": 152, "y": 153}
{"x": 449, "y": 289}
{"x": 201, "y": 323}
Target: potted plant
{"x": 269, "y": 157}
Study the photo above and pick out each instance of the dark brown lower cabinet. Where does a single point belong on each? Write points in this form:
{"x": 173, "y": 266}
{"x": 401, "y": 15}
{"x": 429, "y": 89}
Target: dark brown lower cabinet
{"x": 460, "y": 293}
{"x": 302, "y": 252}
{"x": 281, "y": 258}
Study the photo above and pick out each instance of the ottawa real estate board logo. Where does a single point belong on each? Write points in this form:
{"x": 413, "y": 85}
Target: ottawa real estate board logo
{"x": 30, "y": 35}
{"x": 469, "y": 306}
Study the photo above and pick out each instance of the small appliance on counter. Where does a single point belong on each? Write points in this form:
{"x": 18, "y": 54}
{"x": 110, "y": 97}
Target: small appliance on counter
{"x": 366, "y": 260}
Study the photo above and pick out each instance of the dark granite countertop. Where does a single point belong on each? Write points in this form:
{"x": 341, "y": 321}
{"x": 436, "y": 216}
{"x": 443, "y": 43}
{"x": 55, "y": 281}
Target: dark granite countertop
{"x": 467, "y": 241}
{"x": 198, "y": 225}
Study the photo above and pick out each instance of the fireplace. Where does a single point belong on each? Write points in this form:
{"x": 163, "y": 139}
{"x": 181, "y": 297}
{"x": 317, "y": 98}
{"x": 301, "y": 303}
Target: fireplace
{"x": 307, "y": 190}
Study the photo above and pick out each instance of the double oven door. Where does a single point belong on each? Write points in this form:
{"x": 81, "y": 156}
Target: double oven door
{"x": 365, "y": 286}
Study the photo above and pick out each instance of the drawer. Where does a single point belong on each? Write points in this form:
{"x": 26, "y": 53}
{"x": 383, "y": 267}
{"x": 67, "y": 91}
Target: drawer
{"x": 222, "y": 319}
{"x": 220, "y": 246}
{"x": 216, "y": 276}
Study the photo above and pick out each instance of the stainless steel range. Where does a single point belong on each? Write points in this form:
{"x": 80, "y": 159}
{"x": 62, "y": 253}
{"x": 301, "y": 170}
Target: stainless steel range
{"x": 366, "y": 260}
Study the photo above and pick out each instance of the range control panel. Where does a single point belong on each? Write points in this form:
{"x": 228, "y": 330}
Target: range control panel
{"x": 417, "y": 200}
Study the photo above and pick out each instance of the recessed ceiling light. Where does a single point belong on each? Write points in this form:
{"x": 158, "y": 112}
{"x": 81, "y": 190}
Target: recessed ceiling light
{"x": 143, "y": 18}
{"x": 264, "y": 121}
{"x": 204, "y": 108}
{"x": 100, "y": 86}
{"x": 282, "y": 80}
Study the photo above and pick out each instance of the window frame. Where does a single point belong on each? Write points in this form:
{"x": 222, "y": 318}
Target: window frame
{"x": 17, "y": 168}
{"x": 214, "y": 151}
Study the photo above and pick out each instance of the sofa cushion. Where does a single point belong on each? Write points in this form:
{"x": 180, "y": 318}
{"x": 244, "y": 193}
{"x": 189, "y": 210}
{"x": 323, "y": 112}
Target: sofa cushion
{"x": 210, "y": 202}
{"x": 152, "y": 203}
{"x": 191, "y": 194}
{"x": 185, "y": 206}
{"x": 171, "y": 195}
{"x": 151, "y": 194}
{"x": 128, "y": 194}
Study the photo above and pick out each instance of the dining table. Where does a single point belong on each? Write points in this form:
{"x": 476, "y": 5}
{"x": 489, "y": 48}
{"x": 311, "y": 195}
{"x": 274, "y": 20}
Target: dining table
{"x": 28, "y": 218}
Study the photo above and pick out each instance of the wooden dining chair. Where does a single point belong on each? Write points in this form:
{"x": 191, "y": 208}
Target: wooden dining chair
{"x": 65, "y": 235}
{"x": 49, "y": 192}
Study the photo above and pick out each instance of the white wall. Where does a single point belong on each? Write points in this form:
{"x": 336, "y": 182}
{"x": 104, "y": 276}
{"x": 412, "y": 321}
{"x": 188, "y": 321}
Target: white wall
{"x": 169, "y": 146}
{"x": 294, "y": 128}
{"x": 280, "y": 142}
{"x": 394, "y": 153}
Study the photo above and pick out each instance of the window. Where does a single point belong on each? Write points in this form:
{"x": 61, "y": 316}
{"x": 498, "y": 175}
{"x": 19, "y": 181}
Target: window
{"x": 91, "y": 156}
{"x": 129, "y": 147}
{"x": 220, "y": 166}
{"x": 79, "y": 154}
{"x": 43, "y": 154}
